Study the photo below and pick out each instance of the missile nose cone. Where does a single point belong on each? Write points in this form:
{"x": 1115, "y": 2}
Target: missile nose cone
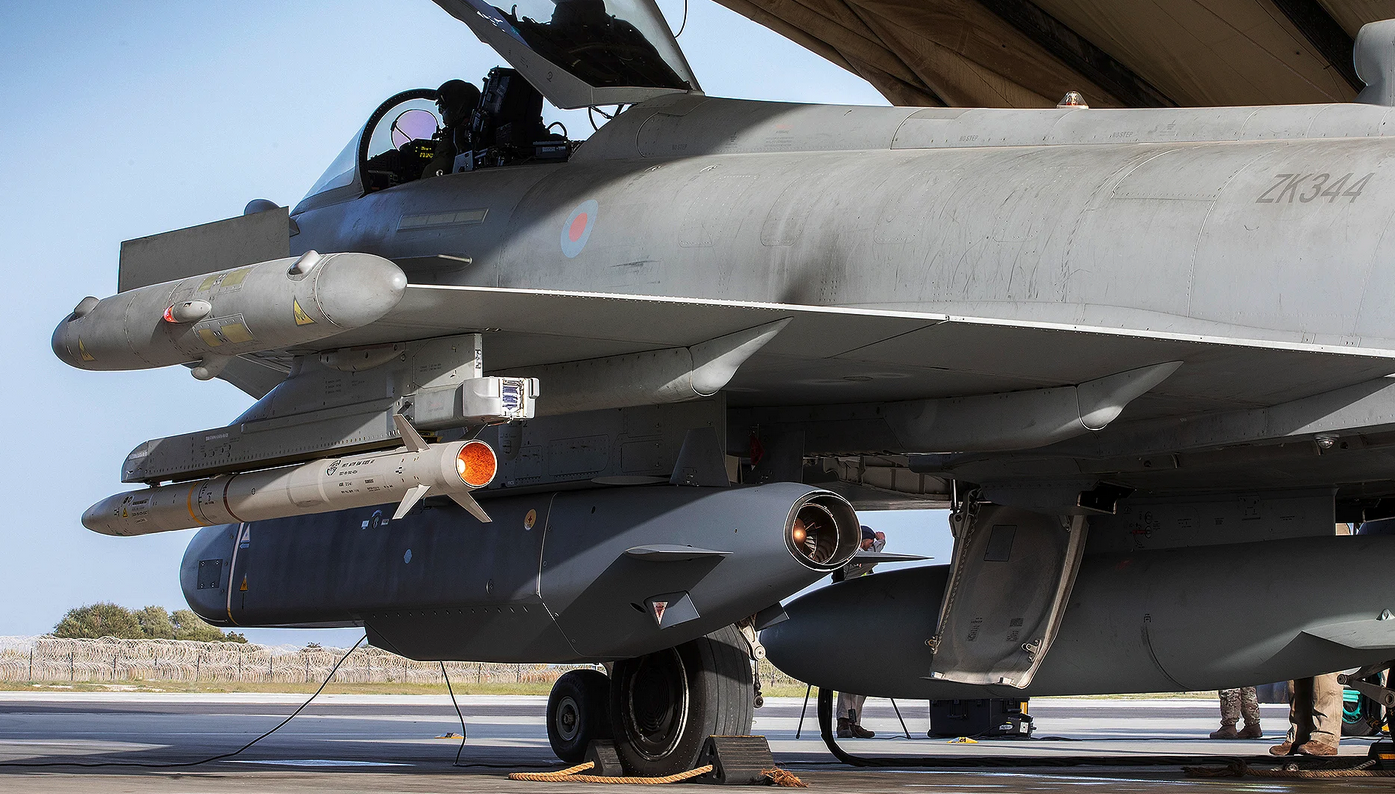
{"x": 354, "y": 290}
{"x": 95, "y": 518}
{"x": 64, "y": 340}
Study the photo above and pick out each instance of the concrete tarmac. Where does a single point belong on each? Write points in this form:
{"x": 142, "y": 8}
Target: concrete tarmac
{"x": 353, "y": 743}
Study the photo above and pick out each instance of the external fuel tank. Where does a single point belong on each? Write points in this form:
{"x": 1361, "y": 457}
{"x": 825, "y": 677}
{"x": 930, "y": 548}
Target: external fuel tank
{"x": 1186, "y": 619}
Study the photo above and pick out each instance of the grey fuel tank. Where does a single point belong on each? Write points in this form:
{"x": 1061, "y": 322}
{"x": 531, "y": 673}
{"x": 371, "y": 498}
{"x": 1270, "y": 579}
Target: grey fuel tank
{"x": 1131, "y": 624}
{"x": 556, "y": 577}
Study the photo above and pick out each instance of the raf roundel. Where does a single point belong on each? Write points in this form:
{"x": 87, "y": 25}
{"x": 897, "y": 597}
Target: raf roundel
{"x": 577, "y": 228}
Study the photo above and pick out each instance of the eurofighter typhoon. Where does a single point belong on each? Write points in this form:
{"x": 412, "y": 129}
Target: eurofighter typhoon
{"x": 543, "y": 401}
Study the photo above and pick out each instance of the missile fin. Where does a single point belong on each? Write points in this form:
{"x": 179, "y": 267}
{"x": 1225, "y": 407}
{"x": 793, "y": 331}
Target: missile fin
{"x": 410, "y": 437}
{"x": 471, "y": 506}
{"x": 410, "y": 500}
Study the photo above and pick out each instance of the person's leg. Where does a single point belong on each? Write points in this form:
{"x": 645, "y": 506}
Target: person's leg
{"x": 847, "y": 702}
{"x": 1249, "y": 709}
{"x": 1300, "y": 698}
{"x": 1230, "y": 714}
{"x": 1325, "y": 717}
{"x": 855, "y": 719}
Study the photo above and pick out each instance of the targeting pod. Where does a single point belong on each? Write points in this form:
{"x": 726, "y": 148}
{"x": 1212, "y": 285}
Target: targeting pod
{"x": 323, "y": 486}
{"x": 213, "y": 317}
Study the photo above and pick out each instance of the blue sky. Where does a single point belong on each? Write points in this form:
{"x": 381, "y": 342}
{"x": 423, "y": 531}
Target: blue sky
{"x": 127, "y": 119}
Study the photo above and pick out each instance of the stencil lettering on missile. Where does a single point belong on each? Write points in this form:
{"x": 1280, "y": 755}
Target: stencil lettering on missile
{"x": 659, "y": 607}
{"x": 1307, "y": 188}
{"x": 577, "y": 228}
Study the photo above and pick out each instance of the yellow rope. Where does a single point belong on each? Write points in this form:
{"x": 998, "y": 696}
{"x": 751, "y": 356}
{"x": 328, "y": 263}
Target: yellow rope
{"x": 570, "y": 775}
{"x": 783, "y": 778}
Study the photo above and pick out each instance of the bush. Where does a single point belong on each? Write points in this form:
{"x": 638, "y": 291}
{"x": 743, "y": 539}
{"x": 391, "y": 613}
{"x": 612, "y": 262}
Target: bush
{"x": 99, "y": 620}
{"x": 151, "y": 623}
{"x": 155, "y": 623}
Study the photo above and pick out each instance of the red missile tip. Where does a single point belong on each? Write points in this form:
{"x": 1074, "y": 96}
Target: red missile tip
{"x": 169, "y": 315}
{"x": 476, "y": 464}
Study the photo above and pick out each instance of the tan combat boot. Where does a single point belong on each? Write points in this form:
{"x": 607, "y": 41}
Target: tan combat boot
{"x": 1250, "y": 731}
{"x": 1316, "y": 748}
{"x": 844, "y": 731}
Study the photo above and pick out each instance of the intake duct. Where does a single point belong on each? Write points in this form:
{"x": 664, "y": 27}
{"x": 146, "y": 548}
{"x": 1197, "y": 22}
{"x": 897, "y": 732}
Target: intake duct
{"x": 822, "y": 531}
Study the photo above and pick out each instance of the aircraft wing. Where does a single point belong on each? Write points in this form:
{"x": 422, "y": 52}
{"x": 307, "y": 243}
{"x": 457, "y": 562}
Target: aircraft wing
{"x": 1148, "y": 53}
{"x": 831, "y": 355}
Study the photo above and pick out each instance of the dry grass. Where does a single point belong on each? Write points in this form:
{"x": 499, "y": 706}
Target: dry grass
{"x": 219, "y": 687}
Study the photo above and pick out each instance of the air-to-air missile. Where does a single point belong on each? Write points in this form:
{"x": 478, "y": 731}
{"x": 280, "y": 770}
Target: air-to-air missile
{"x": 452, "y": 469}
{"x": 210, "y": 318}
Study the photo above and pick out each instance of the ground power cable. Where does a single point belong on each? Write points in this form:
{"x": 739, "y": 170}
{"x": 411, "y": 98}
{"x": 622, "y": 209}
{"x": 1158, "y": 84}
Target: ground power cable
{"x": 210, "y": 759}
{"x": 825, "y": 716}
{"x": 279, "y": 726}
{"x": 464, "y": 736}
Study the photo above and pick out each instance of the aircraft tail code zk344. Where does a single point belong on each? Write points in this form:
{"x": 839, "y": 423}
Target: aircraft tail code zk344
{"x": 1126, "y": 347}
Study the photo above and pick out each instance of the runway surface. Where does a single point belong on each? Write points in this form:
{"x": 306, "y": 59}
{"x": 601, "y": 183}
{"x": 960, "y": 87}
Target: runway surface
{"x": 390, "y": 743}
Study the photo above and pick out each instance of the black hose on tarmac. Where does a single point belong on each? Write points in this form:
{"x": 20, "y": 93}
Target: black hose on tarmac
{"x": 825, "y": 713}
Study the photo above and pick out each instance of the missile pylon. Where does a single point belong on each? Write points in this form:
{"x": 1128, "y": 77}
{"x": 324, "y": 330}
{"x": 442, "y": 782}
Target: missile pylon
{"x": 452, "y": 469}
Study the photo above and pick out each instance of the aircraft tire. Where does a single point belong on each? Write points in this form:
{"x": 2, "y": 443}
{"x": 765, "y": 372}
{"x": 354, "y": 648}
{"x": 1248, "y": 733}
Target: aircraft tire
{"x": 664, "y": 705}
{"x": 578, "y": 711}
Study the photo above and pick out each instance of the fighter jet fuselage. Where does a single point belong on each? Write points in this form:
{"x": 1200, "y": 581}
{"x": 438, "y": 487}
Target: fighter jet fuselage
{"x": 688, "y": 348}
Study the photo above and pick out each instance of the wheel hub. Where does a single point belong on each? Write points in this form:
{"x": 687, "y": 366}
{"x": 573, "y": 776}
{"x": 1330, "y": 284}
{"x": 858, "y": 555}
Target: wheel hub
{"x": 657, "y": 704}
{"x": 568, "y": 719}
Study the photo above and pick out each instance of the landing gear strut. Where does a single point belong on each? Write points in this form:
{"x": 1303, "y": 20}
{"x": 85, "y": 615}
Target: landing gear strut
{"x": 664, "y": 705}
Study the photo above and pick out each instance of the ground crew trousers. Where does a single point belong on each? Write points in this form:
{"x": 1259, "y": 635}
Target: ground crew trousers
{"x": 1237, "y": 702}
{"x": 848, "y": 702}
{"x": 1315, "y": 710}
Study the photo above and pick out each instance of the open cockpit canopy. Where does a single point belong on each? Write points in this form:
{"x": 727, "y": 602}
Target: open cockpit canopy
{"x": 583, "y": 52}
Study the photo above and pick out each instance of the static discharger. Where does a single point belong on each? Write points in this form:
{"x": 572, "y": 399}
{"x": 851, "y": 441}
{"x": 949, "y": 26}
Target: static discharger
{"x": 454, "y": 469}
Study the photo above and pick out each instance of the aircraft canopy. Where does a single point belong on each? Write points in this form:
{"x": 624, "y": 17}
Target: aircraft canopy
{"x": 583, "y": 52}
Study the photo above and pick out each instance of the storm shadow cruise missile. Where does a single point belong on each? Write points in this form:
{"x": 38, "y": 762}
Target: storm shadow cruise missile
{"x": 213, "y": 317}
{"x": 453, "y": 469}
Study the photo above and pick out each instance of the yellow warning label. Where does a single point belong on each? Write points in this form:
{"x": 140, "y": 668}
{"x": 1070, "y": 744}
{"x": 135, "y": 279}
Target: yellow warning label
{"x": 301, "y": 318}
{"x": 82, "y": 351}
{"x": 209, "y": 337}
{"x": 243, "y": 588}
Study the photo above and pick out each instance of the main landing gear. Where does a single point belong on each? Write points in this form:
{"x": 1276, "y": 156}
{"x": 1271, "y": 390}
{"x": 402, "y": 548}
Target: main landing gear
{"x": 661, "y": 707}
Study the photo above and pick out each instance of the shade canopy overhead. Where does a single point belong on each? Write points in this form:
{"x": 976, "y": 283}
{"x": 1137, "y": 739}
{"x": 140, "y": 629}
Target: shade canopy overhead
{"x": 1139, "y": 53}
